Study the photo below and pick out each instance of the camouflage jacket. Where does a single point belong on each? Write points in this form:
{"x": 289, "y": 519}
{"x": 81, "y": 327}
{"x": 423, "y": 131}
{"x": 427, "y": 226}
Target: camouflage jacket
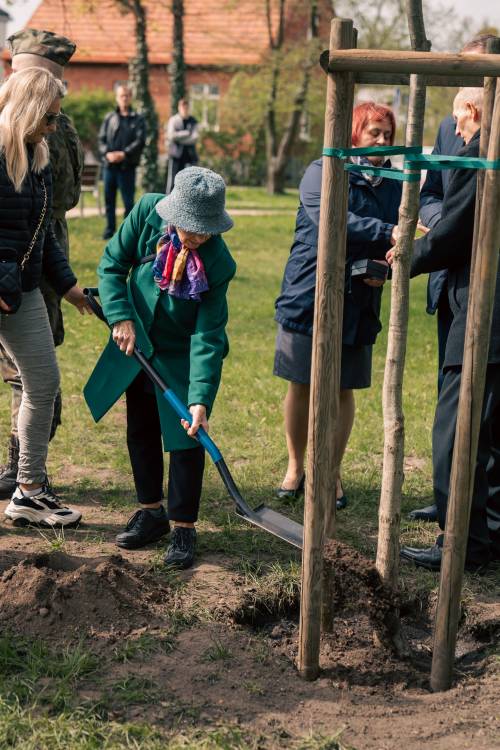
{"x": 66, "y": 161}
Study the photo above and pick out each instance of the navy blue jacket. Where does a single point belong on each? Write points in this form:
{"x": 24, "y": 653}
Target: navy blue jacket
{"x": 449, "y": 246}
{"x": 372, "y": 214}
{"x": 431, "y": 201}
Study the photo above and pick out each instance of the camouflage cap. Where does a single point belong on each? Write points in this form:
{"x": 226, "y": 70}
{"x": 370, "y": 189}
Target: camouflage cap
{"x": 54, "y": 47}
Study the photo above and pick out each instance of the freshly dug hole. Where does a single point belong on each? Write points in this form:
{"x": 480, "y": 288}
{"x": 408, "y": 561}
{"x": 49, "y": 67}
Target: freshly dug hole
{"x": 351, "y": 581}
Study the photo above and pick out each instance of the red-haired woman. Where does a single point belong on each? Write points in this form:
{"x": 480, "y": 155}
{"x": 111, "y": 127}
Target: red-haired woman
{"x": 371, "y": 231}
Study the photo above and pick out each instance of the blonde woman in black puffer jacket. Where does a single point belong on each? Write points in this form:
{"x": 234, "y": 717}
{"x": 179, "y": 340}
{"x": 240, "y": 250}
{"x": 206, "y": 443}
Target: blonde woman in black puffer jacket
{"x": 30, "y": 102}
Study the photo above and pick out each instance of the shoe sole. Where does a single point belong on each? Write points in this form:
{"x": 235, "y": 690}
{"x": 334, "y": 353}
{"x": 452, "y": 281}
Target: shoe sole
{"x": 23, "y": 519}
{"x": 125, "y": 545}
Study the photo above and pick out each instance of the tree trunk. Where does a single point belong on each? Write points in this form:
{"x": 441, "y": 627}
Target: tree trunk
{"x": 278, "y": 153}
{"x": 392, "y": 475}
{"x": 177, "y": 68}
{"x": 139, "y": 77}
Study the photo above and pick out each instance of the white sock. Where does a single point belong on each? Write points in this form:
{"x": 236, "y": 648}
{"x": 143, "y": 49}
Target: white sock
{"x": 27, "y": 493}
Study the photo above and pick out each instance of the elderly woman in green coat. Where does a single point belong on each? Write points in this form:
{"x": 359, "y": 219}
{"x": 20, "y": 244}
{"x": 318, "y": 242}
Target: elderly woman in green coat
{"x": 163, "y": 281}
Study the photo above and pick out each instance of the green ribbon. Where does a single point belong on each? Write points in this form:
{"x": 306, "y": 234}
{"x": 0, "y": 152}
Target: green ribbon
{"x": 440, "y": 162}
{"x": 415, "y": 159}
{"x": 342, "y": 153}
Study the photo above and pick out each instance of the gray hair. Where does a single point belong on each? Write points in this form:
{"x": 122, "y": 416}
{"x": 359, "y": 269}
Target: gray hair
{"x": 472, "y": 95}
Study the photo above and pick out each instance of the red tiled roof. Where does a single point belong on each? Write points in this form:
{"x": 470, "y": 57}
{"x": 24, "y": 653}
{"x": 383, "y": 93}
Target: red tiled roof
{"x": 216, "y": 32}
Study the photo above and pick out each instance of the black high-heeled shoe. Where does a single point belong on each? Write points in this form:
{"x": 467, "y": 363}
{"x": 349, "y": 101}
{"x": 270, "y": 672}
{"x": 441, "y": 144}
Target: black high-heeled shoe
{"x": 285, "y": 494}
{"x": 342, "y": 501}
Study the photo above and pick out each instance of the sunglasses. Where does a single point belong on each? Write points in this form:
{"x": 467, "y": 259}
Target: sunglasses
{"x": 51, "y": 118}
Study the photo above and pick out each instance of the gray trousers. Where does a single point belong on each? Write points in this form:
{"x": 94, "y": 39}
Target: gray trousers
{"x": 27, "y": 338}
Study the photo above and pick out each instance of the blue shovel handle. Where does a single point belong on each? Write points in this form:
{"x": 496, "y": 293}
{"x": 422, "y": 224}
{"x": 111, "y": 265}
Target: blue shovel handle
{"x": 201, "y": 434}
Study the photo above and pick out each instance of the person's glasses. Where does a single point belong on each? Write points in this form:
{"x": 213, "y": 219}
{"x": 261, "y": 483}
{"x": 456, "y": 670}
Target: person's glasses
{"x": 51, "y": 118}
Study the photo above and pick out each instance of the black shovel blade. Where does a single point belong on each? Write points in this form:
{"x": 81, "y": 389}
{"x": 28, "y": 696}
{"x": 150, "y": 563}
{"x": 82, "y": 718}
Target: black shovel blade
{"x": 277, "y": 524}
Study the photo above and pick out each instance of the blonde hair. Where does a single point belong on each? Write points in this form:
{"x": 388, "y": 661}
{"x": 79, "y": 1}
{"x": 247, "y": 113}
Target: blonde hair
{"x": 24, "y": 99}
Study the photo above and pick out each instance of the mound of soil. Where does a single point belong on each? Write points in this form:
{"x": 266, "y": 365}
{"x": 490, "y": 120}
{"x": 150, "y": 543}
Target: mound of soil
{"x": 57, "y": 594}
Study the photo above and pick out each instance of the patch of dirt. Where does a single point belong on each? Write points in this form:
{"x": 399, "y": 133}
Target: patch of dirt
{"x": 55, "y": 594}
{"x": 233, "y": 658}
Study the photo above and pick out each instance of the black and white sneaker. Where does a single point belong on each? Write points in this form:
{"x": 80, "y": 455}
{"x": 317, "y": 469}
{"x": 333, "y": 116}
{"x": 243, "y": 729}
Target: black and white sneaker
{"x": 43, "y": 509}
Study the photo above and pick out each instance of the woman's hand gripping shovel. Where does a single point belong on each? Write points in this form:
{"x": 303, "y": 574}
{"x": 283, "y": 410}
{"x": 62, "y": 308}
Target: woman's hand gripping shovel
{"x": 263, "y": 517}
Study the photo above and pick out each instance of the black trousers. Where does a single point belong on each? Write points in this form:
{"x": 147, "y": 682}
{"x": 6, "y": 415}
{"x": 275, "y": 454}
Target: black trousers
{"x": 444, "y": 321}
{"x": 144, "y": 442}
{"x": 175, "y": 165}
{"x": 484, "y": 529}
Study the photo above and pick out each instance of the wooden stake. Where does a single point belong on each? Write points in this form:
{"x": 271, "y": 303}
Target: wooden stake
{"x": 392, "y": 397}
{"x": 424, "y": 63}
{"x": 322, "y": 463}
{"x": 477, "y": 334}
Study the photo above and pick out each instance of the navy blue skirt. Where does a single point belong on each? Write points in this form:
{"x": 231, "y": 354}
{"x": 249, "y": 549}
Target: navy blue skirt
{"x": 292, "y": 361}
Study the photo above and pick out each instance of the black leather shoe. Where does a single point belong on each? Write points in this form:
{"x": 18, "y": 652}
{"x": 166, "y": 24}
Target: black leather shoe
{"x": 107, "y": 234}
{"x": 180, "y": 551}
{"x": 429, "y": 513}
{"x": 143, "y": 528}
{"x": 283, "y": 494}
{"x": 428, "y": 557}
{"x": 342, "y": 501}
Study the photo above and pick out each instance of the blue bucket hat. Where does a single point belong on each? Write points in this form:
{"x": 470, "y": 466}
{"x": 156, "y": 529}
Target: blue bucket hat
{"x": 196, "y": 203}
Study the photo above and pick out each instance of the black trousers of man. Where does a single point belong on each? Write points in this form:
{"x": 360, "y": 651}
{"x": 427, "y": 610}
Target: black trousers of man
{"x": 484, "y": 530}
{"x": 144, "y": 442}
{"x": 175, "y": 165}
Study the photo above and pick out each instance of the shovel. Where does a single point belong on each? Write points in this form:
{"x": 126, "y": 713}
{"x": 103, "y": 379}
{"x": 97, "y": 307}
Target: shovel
{"x": 262, "y": 516}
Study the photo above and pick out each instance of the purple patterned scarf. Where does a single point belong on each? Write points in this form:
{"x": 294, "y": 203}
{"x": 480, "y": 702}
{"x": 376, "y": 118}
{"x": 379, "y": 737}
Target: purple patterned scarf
{"x": 178, "y": 270}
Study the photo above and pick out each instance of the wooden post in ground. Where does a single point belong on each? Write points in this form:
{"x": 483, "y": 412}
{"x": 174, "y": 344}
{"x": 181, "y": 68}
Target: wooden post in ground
{"x": 392, "y": 474}
{"x": 479, "y": 315}
{"x": 322, "y": 463}
{"x": 492, "y": 47}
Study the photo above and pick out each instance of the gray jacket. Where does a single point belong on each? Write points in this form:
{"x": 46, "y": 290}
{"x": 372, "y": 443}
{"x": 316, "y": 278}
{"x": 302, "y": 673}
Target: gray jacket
{"x": 182, "y": 136}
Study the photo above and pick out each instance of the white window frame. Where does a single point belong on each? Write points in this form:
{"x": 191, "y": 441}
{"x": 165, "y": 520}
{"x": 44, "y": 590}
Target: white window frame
{"x": 204, "y": 96}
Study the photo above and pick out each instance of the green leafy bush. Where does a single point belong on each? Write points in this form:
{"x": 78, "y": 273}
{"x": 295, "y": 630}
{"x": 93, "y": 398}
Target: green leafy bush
{"x": 87, "y": 108}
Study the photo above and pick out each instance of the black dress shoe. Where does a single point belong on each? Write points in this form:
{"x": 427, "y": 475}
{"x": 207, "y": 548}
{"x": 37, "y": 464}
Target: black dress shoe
{"x": 284, "y": 494}
{"x": 429, "y": 513}
{"x": 180, "y": 551}
{"x": 342, "y": 501}
{"x": 430, "y": 559}
{"x": 107, "y": 234}
{"x": 143, "y": 528}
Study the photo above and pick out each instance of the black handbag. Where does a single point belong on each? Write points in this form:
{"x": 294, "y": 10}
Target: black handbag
{"x": 368, "y": 269}
{"x": 11, "y": 289}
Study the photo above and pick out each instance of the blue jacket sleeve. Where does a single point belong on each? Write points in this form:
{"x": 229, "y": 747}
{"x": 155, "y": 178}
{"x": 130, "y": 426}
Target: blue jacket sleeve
{"x": 360, "y": 229}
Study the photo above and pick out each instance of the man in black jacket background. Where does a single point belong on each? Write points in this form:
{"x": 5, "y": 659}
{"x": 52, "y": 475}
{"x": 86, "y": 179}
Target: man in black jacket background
{"x": 449, "y": 246}
{"x": 121, "y": 141}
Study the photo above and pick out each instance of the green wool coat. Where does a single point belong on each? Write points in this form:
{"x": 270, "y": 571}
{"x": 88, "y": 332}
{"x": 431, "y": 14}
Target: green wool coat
{"x": 187, "y": 347}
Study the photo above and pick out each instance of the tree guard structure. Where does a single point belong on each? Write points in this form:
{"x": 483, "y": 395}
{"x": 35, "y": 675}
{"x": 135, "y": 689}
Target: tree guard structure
{"x": 345, "y": 66}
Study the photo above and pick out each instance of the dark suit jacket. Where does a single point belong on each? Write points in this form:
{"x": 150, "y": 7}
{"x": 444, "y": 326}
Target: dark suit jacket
{"x": 431, "y": 201}
{"x": 449, "y": 246}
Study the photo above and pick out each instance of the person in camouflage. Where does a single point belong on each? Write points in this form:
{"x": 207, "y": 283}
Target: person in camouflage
{"x": 44, "y": 49}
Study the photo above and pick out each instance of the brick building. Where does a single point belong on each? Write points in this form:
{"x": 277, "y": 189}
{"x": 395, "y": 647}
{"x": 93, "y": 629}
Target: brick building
{"x": 220, "y": 36}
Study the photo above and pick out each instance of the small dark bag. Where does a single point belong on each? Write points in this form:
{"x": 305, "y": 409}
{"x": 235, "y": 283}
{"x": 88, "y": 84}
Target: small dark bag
{"x": 11, "y": 285}
{"x": 10, "y": 282}
{"x": 368, "y": 269}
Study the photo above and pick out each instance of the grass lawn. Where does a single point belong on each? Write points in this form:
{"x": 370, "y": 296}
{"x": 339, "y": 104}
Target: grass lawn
{"x": 40, "y": 699}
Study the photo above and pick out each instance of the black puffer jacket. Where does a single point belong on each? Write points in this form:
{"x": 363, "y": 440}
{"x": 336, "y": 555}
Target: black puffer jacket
{"x": 19, "y": 216}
